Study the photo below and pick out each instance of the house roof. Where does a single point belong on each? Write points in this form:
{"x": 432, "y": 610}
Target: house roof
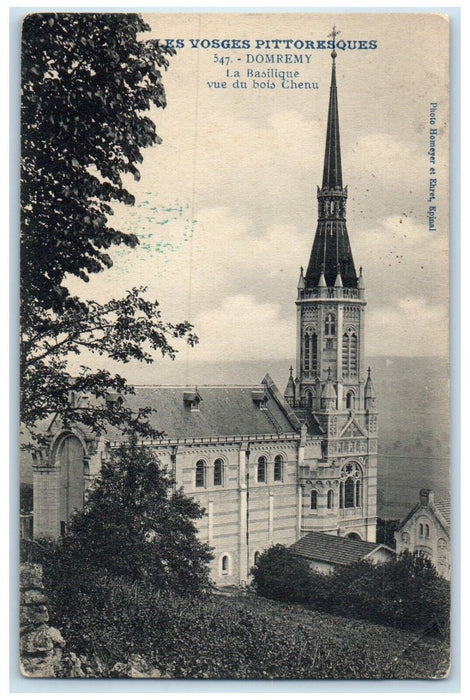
{"x": 222, "y": 411}
{"x": 332, "y": 549}
{"x": 443, "y": 506}
{"x": 440, "y": 508}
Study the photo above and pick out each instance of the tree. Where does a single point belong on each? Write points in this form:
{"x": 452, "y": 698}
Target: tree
{"x": 136, "y": 526}
{"x": 122, "y": 330}
{"x": 281, "y": 575}
{"x": 88, "y": 80}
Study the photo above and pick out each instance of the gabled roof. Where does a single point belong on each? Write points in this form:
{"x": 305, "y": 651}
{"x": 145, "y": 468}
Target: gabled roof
{"x": 223, "y": 411}
{"x": 332, "y": 549}
{"x": 352, "y": 429}
{"x": 440, "y": 509}
{"x": 444, "y": 508}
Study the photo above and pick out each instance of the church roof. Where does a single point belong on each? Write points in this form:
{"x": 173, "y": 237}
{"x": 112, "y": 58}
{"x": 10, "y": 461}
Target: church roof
{"x": 221, "y": 411}
{"x": 332, "y": 549}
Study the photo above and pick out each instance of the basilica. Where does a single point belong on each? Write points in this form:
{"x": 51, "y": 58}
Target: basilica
{"x": 267, "y": 466}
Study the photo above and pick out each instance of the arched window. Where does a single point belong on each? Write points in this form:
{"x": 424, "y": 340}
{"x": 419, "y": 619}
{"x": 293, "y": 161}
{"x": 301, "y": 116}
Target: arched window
{"x": 306, "y": 352}
{"x": 256, "y": 558}
{"x": 313, "y": 360}
{"x": 350, "y": 400}
{"x": 426, "y": 530}
{"x": 358, "y": 493}
{"x": 349, "y": 493}
{"x": 349, "y": 353}
{"x": 308, "y": 399}
{"x": 313, "y": 500}
{"x": 350, "y": 488}
{"x": 310, "y": 351}
{"x": 330, "y": 324}
{"x": 218, "y": 472}
{"x": 278, "y": 467}
{"x": 421, "y": 530}
{"x": 261, "y": 472}
{"x": 225, "y": 565}
{"x": 200, "y": 474}
{"x": 330, "y": 500}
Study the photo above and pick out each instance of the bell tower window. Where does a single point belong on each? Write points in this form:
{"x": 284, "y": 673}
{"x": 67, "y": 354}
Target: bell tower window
{"x": 350, "y": 400}
{"x": 310, "y": 351}
{"x": 349, "y": 353}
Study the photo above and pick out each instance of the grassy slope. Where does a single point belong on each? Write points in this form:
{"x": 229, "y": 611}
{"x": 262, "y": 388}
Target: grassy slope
{"x": 367, "y": 650}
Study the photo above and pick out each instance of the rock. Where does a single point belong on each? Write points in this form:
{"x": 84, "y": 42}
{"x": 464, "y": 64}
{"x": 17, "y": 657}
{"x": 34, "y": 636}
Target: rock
{"x": 135, "y": 667}
{"x": 33, "y": 597}
{"x": 31, "y": 576}
{"x": 33, "y": 614}
{"x": 56, "y": 637}
{"x": 37, "y": 667}
{"x": 35, "y": 641}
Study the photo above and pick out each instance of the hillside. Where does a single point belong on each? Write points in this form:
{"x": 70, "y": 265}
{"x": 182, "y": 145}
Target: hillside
{"x": 242, "y": 636}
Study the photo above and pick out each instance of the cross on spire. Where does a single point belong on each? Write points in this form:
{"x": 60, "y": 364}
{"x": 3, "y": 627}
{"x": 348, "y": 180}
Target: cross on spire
{"x": 334, "y": 33}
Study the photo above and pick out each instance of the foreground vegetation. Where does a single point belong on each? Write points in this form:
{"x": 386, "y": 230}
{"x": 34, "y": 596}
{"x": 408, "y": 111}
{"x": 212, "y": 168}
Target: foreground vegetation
{"x": 128, "y": 587}
{"x": 115, "y": 623}
{"x": 405, "y": 592}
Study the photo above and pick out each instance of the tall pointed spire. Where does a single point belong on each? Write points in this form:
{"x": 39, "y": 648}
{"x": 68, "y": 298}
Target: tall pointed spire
{"x": 332, "y": 175}
{"x": 331, "y": 250}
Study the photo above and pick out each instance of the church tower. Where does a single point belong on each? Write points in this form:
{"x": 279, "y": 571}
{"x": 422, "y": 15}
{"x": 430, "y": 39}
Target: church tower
{"x": 330, "y": 393}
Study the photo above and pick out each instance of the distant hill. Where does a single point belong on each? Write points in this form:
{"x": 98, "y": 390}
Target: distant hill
{"x": 414, "y": 418}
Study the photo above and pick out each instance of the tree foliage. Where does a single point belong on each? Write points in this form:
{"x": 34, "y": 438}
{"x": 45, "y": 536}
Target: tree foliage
{"x": 281, "y": 575}
{"x": 404, "y": 592}
{"x": 126, "y": 329}
{"x": 88, "y": 81}
{"x": 136, "y": 526}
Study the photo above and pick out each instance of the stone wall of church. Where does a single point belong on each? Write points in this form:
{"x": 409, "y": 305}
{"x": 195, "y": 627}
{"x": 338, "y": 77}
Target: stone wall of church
{"x": 243, "y": 516}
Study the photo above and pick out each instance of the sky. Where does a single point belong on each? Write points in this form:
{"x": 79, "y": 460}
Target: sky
{"x": 226, "y": 206}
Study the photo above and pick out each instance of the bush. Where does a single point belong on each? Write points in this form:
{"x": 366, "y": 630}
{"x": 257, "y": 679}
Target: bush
{"x": 281, "y": 575}
{"x": 406, "y": 592}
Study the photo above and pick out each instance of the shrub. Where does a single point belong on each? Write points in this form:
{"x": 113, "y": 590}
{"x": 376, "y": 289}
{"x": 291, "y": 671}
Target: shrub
{"x": 281, "y": 575}
{"x": 406, "y": 592}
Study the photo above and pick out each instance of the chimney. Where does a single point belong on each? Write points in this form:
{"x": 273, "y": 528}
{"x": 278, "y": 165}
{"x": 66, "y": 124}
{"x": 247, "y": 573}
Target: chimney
{"x": 426, "y": 497}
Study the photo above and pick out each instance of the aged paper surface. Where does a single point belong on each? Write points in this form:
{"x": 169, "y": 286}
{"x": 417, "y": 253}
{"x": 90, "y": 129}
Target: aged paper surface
{"x": 289, "y": 142}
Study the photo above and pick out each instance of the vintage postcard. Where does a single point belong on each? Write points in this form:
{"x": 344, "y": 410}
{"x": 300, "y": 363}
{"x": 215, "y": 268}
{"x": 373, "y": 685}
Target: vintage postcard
{"x": 235, "y": 346}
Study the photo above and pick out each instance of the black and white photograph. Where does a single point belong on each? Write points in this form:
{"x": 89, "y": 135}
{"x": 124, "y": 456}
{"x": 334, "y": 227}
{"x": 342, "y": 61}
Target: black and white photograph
{"x": 234, "y": 356}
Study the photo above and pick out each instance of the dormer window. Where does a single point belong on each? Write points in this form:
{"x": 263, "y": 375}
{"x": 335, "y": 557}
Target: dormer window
{"x": 260, "y": 398}
{"x": 192, "y": 399}
{"x": 113, "y": 399}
